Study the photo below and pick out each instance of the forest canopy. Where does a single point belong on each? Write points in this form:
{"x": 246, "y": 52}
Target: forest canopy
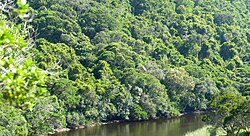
{"x": 69, "y": 63}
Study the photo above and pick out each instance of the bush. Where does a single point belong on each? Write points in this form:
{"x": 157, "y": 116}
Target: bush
{"x": 12, "y": 123}
{"x": 75, "y": 119}
{"x": 46, "y": 116}
{"x": 4, "y": 131}
{"x": 137, "y": 113}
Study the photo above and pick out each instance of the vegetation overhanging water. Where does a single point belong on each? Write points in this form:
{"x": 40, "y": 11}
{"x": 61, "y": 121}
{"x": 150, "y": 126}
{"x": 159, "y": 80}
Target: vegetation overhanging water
{"x": 178, "y": 126}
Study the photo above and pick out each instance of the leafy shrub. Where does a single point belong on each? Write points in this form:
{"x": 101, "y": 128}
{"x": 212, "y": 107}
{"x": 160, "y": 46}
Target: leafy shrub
{"x": 137, "y": 113}
{"x": 75, "y": 119}
{"x": 45, "y": 116}
{"x": 12, "y": 121}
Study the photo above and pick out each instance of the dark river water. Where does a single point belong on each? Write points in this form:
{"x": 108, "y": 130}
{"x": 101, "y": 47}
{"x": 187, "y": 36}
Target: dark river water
{"x": 161, "y": 127}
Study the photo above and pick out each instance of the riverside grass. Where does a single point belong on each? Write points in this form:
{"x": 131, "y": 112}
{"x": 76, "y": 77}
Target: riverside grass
{"x": 210, "y": 131}
{"x": 204, "y": 131}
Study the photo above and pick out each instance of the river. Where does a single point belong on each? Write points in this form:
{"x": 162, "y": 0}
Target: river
{"x": 160, "y": 127}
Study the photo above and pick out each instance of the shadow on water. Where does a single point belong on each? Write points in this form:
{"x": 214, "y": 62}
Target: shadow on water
{"x": 161, "y": 127}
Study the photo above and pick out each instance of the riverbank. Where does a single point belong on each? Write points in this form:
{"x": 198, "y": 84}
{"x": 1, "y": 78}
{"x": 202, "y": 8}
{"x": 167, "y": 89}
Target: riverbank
{"x": 93, "y": 124}
{"x": 177, "y": 126}
{"x": 193, "y": 112}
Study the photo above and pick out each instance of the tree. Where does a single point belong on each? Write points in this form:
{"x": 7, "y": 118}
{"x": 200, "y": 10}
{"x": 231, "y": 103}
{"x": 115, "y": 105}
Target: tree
{"x": 21, "y": 81}
{"x": 46, "y": 116}
{"x": 231, "y": 112}
{"x": 228, "y": 51}
{"x": 178, "y": 80}
{"x": 12, "y": 121}
{"x": 129, "y": 59}
{"x": 137, "y": 113}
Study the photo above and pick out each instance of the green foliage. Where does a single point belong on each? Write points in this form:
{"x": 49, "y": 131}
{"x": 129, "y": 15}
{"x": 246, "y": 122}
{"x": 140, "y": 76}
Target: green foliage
{"x": 22, "y": 83}
{"x": 179, "y": 80}
{"x": 45, "y": 116}
{"x": 66, "y": 92}
{"x": 75, "y": 120}
{"x": 21, "y": 80}
{"x": 142, "y": 59}
{"x": 56, "y": 55}
{"x": 128, "y": 60}
{"x": 137, "y": 113}
{"x": 12, "y": 121}
{"x": 231, "y": 112}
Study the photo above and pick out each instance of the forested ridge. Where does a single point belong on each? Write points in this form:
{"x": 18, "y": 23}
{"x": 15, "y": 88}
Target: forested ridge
{"x": 103, "y": 60}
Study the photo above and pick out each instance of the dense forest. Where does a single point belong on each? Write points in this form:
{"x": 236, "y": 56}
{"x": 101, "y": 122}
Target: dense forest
{"x": 68, "y": 63}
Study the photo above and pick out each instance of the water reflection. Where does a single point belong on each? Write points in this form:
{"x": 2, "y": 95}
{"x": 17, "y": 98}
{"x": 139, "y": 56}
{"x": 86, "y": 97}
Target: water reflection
{"x": 161, "y": 127}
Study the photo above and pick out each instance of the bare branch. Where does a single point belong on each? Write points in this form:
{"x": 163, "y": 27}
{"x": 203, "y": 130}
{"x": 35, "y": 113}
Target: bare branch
{"x": 4, "y": 69}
